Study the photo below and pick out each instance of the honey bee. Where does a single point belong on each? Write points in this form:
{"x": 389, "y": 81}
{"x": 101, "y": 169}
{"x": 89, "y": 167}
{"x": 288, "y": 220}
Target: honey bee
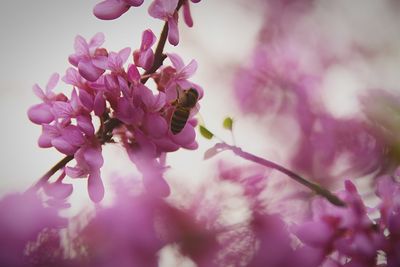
{"x": 183, "y": 106}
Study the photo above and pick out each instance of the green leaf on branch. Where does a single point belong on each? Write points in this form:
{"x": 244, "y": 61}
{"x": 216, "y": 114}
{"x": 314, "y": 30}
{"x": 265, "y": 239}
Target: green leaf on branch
{"x": 228, "y": 123}
{"x": 205, "y": 132}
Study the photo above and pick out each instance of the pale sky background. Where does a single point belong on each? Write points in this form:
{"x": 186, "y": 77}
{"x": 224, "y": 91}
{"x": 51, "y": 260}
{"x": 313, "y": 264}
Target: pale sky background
{"x": 37, "y": 37}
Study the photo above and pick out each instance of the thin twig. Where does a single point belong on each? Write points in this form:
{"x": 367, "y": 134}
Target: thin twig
{"x": 318, "y": 189}
{"x": 50, "y": 173}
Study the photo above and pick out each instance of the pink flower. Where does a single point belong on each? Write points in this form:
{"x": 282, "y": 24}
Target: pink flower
{"x": 124, "y": 234}
{"x": 42, "y": 113}
{"x": 144, "y": 57}
{"x": 89, "y": 160}
{"x": 177, "y": 77}
{"x": 86, "y": 53}
{"x": 349, "y": 231}
{"x": 114, "y": 62}
{"x": 23, "y": 217}
{"x": 166, "y": 10}
{"x": 112, "y": 9}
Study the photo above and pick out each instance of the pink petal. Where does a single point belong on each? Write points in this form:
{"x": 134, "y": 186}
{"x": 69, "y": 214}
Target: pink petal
{"x": 176, "y": 61}
{"x": 74, "y": 101}
{"x": 110, "y": 9}
{"x": 124, "y": 54}
{"x": 133, "y": 74}
{"x": 124, "y": 87}
{"x": 40, "y": 113}
{"x": 63, "y": 146}
{"x": 44, "y": 141}
{"x": 48, "y": 133}
{"x": 58, "y": 190}
{"x": 38, "y": 92}
{"x": 62, "y": 109}
{"x": 165, "y": 144}
{"x": 135, "y": 3}
{"x": 315, "y": 234}
{"x": 75, "y": 172}
{"x": 187, "y": 17}
{"x": 189, "y": 70}
{"x": 156, "y": 10}
{"x": 52, "y": 82}
{"x": 114, "y": 62}
{"x": 97, "y": 40}
{"x": 86, "y": 99}
{"x": 184, "y": 84}
{"x": 173, "y": 33}
{"x": 73, "y": 135}
{"x": 145, "y": 148}
{"x": 192, "y": 146}
{"x": 81, "y": 47}
{"x": 74, "y": 59}
{"x": 148, "y": 39}
{"x": 99, "y": 104}
{"x": 155, "y": 125}
{"x": 89, "y": 71}
{"x": 85, "y": 124}
{"x": 156, "y": 185}
{"x": 144, "y": 59}
{"x": 125, "y": 111}
{"x": 170, "y": 5}
{"x": 95, "y": 187}
{"x": 186, "y": 136}
{"x": 100, "y": 62}
{"x": 93, "y": 157}
{"x": 72, "y": 77}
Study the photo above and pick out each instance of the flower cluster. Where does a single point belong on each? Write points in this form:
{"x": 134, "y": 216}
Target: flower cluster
{"x": 127, "y": 110}
{"x": 165, "y": 10}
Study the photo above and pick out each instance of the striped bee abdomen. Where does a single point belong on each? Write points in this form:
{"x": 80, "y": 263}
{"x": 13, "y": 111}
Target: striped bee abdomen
{"x": 179, "y": 119}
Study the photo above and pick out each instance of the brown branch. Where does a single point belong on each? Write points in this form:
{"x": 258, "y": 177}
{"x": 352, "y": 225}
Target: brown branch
{"x": 318, "y": 189}
{"x": 50, "y": 173}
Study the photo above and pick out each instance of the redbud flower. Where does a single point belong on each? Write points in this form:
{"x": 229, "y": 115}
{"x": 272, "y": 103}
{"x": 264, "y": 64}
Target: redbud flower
{"x": 347, "y": 231}
{"x": 89, "y": 161}
{"x": 112, "y": 9}
{"x": 178, "y": 76}
{"x": 42, "y": 113}
{"x": 23, "y": 217}
{"x": 166, "y": 10}
{"x": 144, "y": 57}
{"x": 86, "y": 53}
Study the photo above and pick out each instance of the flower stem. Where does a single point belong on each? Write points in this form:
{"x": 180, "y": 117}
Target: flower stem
{"x": 49, "y": 173}
{"x": 318, "y": 189}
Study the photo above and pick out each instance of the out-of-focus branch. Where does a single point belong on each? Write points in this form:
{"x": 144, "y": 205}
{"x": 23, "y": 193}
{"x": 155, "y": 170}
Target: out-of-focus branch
{"x": 318, "y": 189}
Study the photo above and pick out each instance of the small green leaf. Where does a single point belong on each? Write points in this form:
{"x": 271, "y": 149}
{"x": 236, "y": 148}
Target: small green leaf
{"x": 228, "y": 123}
{"x": 205, "y": 132}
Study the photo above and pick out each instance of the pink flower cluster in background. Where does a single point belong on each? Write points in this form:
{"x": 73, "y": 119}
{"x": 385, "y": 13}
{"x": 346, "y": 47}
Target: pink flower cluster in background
{"x": 137, "y": 226}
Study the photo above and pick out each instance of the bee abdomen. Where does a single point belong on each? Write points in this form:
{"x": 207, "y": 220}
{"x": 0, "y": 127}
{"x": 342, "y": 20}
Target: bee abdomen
{"x": 179, "y": 119}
